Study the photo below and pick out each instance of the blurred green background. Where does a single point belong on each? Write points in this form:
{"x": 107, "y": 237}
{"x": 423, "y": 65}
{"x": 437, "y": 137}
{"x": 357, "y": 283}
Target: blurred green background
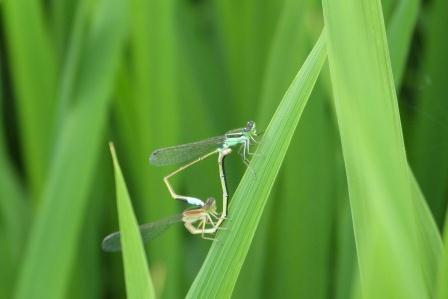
{"x": 152, "y": 73}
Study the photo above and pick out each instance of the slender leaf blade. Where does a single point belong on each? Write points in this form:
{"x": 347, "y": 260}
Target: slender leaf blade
{"x": 289, "y": 48}
{"x": 220, "y": 270}
{"x": 138, "y": 280}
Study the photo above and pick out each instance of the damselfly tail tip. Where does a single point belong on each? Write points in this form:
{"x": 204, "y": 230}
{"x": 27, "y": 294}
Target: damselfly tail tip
{"x": 153, "y": 158}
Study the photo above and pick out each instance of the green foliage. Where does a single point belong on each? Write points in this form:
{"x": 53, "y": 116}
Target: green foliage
{"x": 349, "y": 194}
{"x": 138, "y": 281}
{"x": 380, "y": 184}
{"x": 57, "y": 225}
{"x": 34, "y": 75}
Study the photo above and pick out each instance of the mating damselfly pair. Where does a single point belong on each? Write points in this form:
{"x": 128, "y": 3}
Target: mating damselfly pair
{"x": 202, "y": 218}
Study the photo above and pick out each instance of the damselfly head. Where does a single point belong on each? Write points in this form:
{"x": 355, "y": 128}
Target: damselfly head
{"x": 250, "y": 127}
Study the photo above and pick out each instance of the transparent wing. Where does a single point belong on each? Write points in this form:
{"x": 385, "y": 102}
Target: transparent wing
{"x": 149, "y": 231}
{"x": 185, "y": 152}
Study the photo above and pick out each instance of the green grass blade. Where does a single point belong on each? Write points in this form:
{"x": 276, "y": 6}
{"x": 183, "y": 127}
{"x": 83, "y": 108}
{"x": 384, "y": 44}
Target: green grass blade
{"x": 380, "y": 185}
{"x": 138, "y": 281}
{"x": 400, "y": 29}
{"x": 52, "y": 246}
{"x": 301, "y": 266}
{"x": 288, "y": 50}
{"x": 220, "y": 270}
{"x": 34, "y": 72}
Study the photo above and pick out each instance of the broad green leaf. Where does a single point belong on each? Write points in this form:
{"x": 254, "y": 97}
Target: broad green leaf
{"x": 138, "y": 281}
{"x": 220, "y": 270}
{"x": 401, "y": 26}
{"x": 391, "y": 261}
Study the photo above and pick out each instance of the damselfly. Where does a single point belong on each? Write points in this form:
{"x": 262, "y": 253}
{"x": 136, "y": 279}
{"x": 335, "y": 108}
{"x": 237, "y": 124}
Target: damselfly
{"x": 203, "y": 220}
{"x": 200, "y": 150}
